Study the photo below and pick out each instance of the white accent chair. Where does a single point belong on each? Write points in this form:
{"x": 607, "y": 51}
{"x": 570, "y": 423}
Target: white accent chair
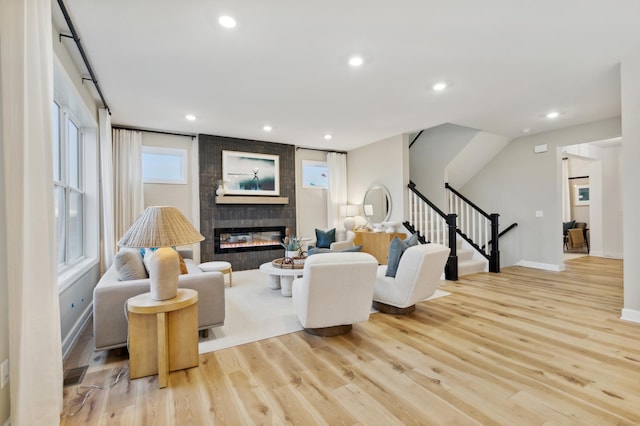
{"x": 336, "y": 245}
{"x": 418, "y": 276}
{"x": 334, "y": 292}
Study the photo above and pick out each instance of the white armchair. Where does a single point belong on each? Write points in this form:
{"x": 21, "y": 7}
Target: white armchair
{"x": 417, "y": 278}
{"x": 336, "y": 245}
{"x": 334, "y": 292}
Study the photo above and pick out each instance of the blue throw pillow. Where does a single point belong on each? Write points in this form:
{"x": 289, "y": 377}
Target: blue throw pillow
{"x": 396, "y": 249}
{"x": 567, "y": 225}
{"x": 354, "y": 248}
{"x": 412, "y": 240}
{"x": 325, "y": 238}
{"x": 316, "y": 250}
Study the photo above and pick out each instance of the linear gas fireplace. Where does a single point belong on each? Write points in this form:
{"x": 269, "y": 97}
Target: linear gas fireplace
{"x": 232, "y": 240}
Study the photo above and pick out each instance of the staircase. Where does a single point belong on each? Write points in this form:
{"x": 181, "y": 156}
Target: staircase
{"x": 470, "y": 233}
{"x": 468, "y": 262}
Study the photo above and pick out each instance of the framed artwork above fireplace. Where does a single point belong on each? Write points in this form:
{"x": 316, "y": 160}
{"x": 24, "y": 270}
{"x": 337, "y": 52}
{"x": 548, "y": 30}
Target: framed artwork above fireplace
{"x": 246, "y": 173}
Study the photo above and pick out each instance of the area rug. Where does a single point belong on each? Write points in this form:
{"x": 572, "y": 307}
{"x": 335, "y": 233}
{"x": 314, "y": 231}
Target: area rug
{"x": 255, "y": 312}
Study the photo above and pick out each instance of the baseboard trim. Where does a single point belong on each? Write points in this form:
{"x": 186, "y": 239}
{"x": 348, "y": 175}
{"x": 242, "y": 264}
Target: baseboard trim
{"x": 632, "y": 315}
{"x": 543, "y": 266}
{"x": 70, "y": 339}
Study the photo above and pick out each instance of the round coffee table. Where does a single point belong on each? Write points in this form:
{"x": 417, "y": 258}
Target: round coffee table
{"x": 280, "y": 278}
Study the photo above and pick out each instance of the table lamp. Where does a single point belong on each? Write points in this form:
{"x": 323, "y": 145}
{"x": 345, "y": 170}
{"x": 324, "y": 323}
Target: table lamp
{"x": 348, "y": 211}
{"x": 163, "y": 227}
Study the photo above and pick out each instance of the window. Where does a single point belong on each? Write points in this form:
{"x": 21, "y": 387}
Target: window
{"x": 68, "y": 187}
{"x": 315, "y": 174}
{"x": 164, "y": 165}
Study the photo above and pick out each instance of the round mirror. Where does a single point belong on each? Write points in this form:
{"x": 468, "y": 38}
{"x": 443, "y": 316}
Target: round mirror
{"x": 377, "y": 204}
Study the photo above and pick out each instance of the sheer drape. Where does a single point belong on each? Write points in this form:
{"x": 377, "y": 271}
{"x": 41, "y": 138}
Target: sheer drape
{"x": 566, "y": 193}
{"x": 26, "y": 72}
{"x": 128, "y": 190}
{"x": 337, "y": 193}
{"x": 106, "y": 189}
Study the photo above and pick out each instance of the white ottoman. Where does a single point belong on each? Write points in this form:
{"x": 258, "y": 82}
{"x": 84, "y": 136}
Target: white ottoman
{"x": 220, "y": 266}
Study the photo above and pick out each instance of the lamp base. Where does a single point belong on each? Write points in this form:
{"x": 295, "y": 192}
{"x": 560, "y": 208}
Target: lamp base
{"x": 164, "y": 269}
{"x": 349, "y": 223}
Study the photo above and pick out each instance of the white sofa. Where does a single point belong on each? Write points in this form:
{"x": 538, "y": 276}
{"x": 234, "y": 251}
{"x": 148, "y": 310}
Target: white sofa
{"x": 417, "y": 278}
{"x": 110, "y": 325}
{"x": 334, "y": 292}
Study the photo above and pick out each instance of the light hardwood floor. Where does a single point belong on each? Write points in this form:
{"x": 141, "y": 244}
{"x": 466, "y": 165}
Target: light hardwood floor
{"x": 523, "y": 347}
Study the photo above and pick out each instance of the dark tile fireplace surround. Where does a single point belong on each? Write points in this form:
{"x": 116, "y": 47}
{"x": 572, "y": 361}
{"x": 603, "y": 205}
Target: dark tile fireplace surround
{"x": 263, "y": 219}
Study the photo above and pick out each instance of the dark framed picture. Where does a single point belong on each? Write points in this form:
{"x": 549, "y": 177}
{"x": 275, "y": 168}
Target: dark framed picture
{"x": 246, "y": 173}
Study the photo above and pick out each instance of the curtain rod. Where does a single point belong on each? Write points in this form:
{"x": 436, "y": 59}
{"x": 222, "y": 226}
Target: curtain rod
{"x": 153, "y": 131}
{"x": 85, "y": 59}
{"x": 321, "y": 150}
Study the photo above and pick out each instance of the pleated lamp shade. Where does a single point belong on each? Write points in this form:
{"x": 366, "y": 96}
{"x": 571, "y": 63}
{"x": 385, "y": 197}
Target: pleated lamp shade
{"x": 160, "y": 226}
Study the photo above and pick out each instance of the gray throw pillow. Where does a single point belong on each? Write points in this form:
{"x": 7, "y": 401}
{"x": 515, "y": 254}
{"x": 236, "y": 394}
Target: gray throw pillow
{"x": 317, "y": 250}
{"x": 128, "y": 263}
{"x": 396, "y": 249}
{"x": 354, "y": 248}
{"x": 325, "y": 238}
{"x": 412, "y": 240}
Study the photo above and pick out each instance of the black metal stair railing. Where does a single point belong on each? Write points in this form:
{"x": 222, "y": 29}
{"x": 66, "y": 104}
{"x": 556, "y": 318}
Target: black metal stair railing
{"x": 433, "y": 225}
{"x": 478, "y": 228}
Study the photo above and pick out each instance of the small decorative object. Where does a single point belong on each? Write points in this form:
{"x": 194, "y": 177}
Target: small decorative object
{"x": 292, "y": 245}
{"x": 348, "y": 212}
{"x": 391, "y": 227}
{"x": 162, "y": 227}
{"x": 220, "y": 191}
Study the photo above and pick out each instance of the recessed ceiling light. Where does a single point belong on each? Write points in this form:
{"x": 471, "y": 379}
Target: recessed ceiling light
{"x": 327, "y": 136}
{"x": 267, "y": 128}
{"x": 526, "y": 130}
{"x": 190, "y": 117}
{"x": 227, "y": 21}
{"x": 438, "y": 87}
{"x": 355, "y": 61}
{"x": 553, "y": 114}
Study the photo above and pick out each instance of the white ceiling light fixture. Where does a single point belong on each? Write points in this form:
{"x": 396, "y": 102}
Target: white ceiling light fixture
{"x": 553, "y": 114}
{"x": 328, "y": 136}
{"x": 267, "y": 128}
{"x": 227, "y": 21}
{"x": 526, "y": 130}
{"x": 190, "y": 117}
{"x": 356, "y": 61}
{"x": 439, "y": 87}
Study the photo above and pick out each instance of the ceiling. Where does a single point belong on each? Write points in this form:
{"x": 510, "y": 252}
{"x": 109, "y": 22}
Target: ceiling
{"x": 507, "y": 64}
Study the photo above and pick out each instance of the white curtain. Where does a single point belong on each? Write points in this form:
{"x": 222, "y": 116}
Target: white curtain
{"x": 566, "y": 193}
{"x": 337, "y": 193}
{"x": 106, "y": 188}
{"x": 26, "y": 73}
{"x": 128, "y": 189}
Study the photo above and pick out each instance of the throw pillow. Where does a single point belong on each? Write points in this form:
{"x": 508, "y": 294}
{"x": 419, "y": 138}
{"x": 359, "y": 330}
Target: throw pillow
{"x": 183, "y": 266}
{"x": 396, "y": 249}
{"x": 129, "y": 266}
{"x": 567, "y": 225}
{"x": 354, "y": 248}
{"x": 325, "y": 238}
{"x": 317, "y": 250}
{"x": 412, "y": 240}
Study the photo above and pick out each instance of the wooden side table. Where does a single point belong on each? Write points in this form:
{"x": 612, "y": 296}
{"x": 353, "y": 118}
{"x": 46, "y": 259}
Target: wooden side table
{"x": 377, "y": 243}
{"x": 163, "y": 334}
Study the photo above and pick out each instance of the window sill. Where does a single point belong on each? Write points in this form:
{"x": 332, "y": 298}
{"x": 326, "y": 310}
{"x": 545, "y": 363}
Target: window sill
{"x": 68, "y": 277}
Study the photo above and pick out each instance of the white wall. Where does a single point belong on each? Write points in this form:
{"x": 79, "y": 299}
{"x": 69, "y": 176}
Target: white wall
{"x": 4, "y": 280}
{"x": 177, "y": 195}
{"x": 384, "y": 163}
{"x": 432, "y": 153}
{"x": 311, "y": 203}
{"x": 630, "y": 106}
{"x": 517, "y": 183}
